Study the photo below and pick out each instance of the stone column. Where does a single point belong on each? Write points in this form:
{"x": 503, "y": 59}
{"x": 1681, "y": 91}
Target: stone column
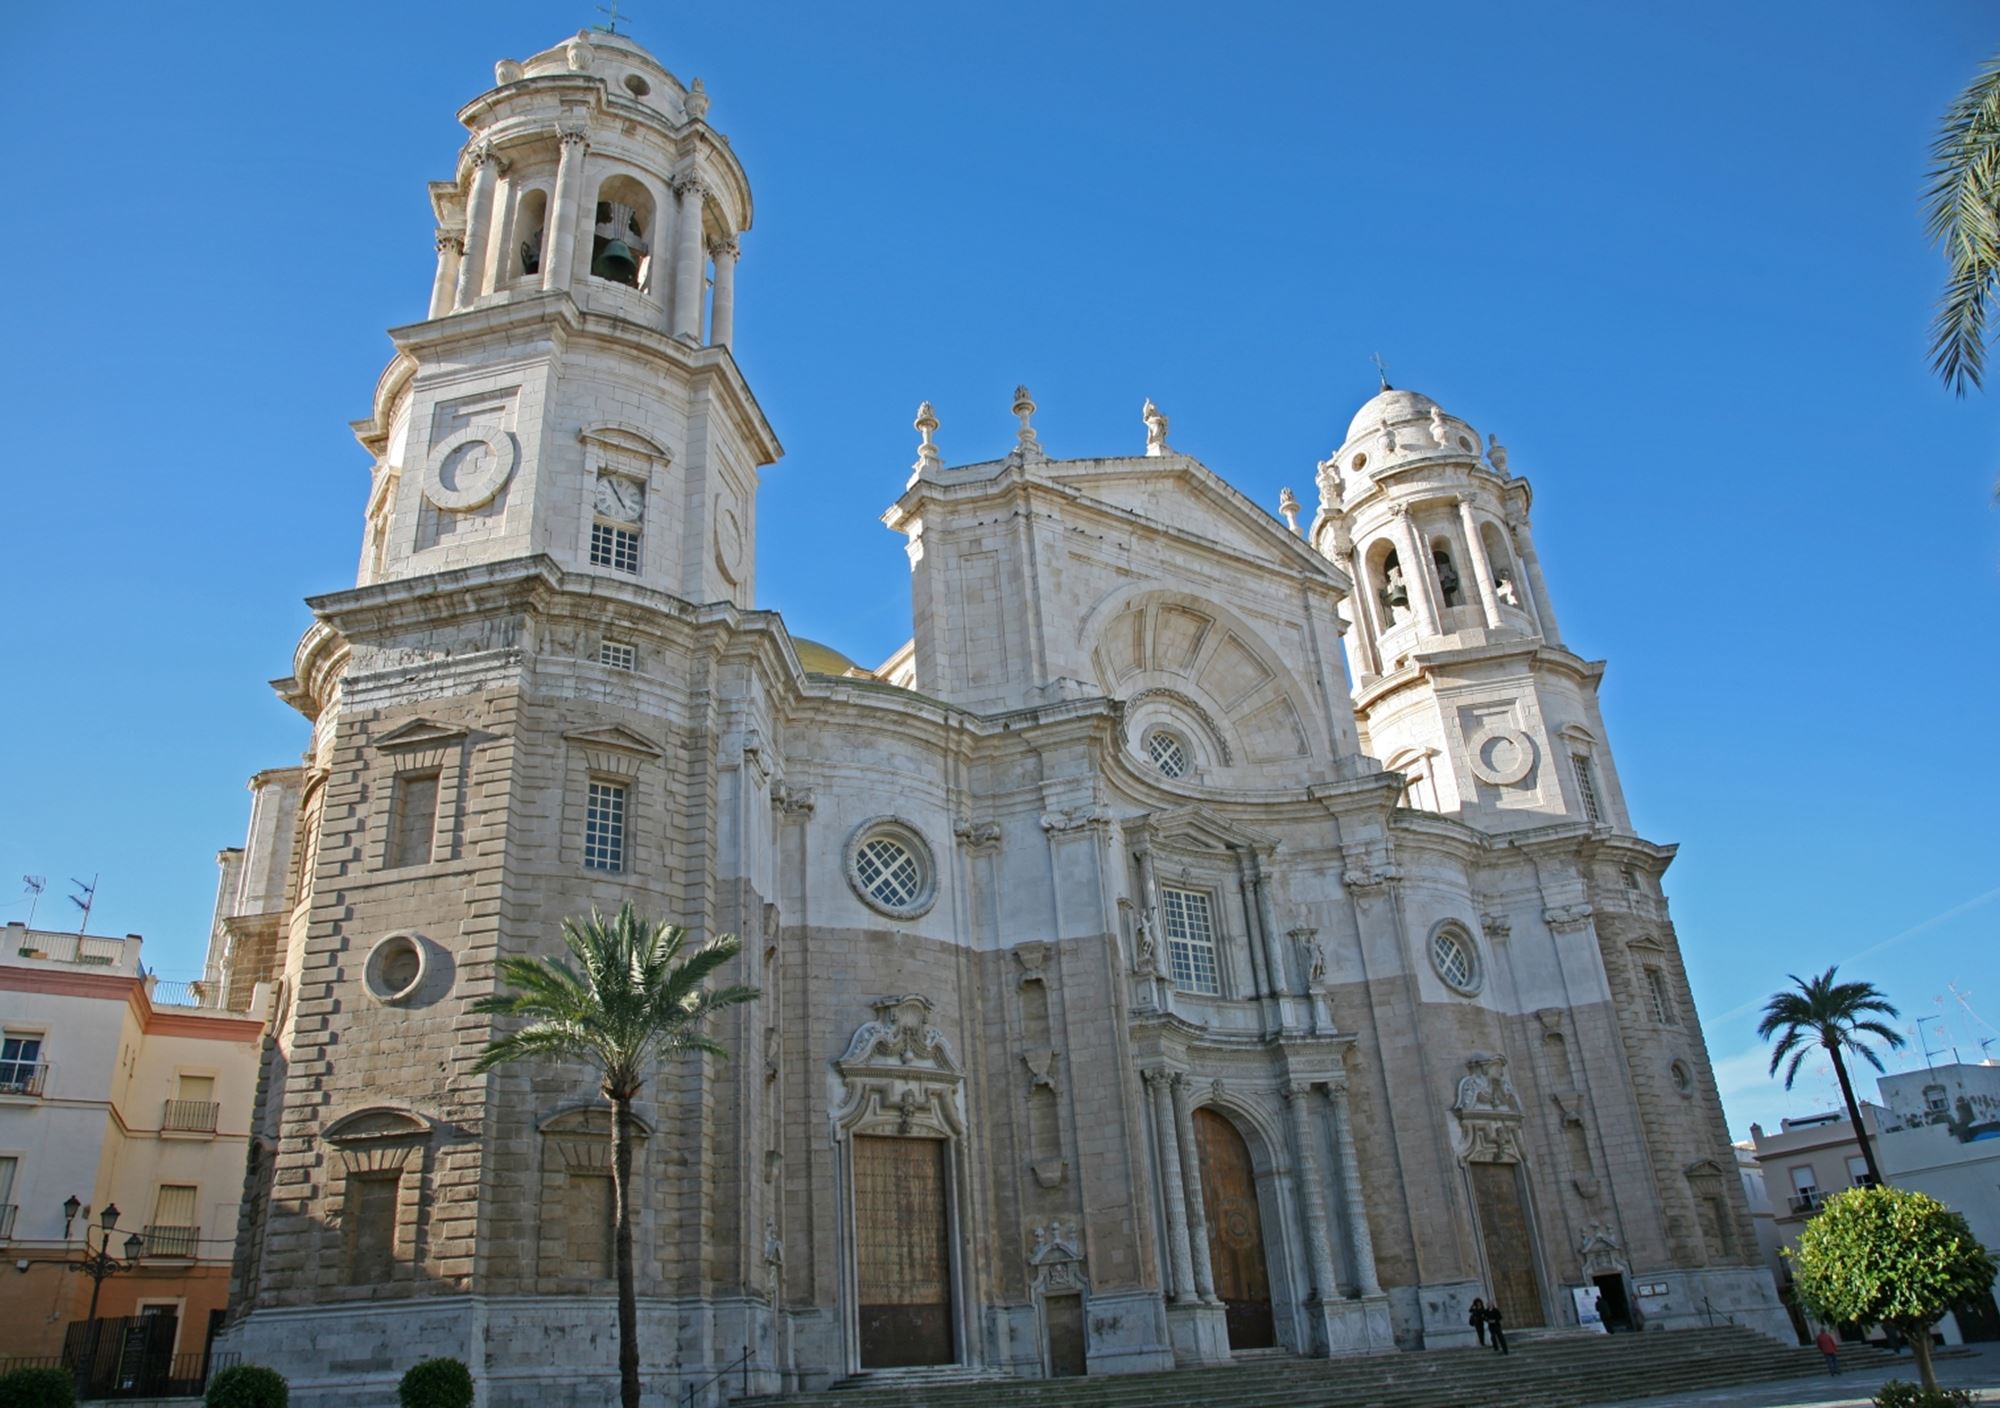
{"x": 1319, "y": 1250}
{"x": 478, "y": 226}
{"x": 1180, "y": 1261}
{"x": 1418, "y": 575}
{"x": 559, "y": 250}
{"x": 1361, "y": 603}
{"x": 507, "y": 200}
{"x": 1358, "y": 1236}
{"x": 1204, "y": 1270}
{"x": 1260, "y": 982}
{"x": 450, "y": 248}
{"x": 688, "y": 260}
{"x": 1482, "y": 566}
{"x": 1538, "y": 590}
{"x": 1274, "y": 948}
{"x": 722, "y": 308}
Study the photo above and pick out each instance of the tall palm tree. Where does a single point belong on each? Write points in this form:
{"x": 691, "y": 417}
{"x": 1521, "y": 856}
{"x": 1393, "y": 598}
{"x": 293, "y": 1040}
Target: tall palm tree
{"x": 635, "y": 994}
{"x": 1962, "y": 210}
{"x": 1828, "y": 1014}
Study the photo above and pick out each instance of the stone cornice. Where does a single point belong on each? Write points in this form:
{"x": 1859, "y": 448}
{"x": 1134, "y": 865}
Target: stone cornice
{"x": 1425, "y": 664}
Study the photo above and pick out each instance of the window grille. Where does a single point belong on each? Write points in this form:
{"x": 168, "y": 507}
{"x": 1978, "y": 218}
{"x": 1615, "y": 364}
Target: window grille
{"x": 1586, "y": 788}
{"x": 1453, "y": 960}
{"x": 1168, "y": 753}
{"x": 21, "y": 1067}
{"x": 604, "y": 827}
{"x": 1662, "y": 998}
{"x": 1190, "y": 940}
{"x": 617, "y": 655}
{"x": 613, "y": 547}
{"x": 889, "y": 871}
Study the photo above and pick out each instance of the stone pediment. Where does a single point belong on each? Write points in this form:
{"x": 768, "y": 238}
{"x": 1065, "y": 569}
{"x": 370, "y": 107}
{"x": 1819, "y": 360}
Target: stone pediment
{"x": 420, "y": 733}
{"x": 1489, "y": 1112}
{"x": 622, "y": 435}
{"x": 1184, "y": 494}
{"x": 898, "y": 1075}
{"x": 1195, "y": 828}
{"x": 617, "y": 738}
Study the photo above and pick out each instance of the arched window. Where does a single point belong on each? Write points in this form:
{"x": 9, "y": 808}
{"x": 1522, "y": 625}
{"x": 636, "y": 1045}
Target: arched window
{"x": 531, "y": 219}
{"x": 1392, "y": 589}
{"x": 1447, "y": 573}
{"x": 1505, "y": 585}
{"x": 620, "y": 245}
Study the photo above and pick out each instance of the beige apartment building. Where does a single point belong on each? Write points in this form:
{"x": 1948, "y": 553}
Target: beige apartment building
{"x": 118, "y": 1091}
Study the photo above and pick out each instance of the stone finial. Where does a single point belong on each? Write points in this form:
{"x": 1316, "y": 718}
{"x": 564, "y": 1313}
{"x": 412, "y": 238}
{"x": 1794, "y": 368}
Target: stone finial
{"x": 505, "y": 72}
{"x": 696, "y": 101}
{"x": 1024, "y": 408}
{"x": 926, "y": 425}
{"x": 1156, "y": 428}
{"x": 1496, "y": 454}
{"x": 579, "y": 55}
{"x": 1288, "y": 508}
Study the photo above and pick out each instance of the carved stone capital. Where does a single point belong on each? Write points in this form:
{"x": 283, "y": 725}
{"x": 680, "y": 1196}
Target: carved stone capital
{"x": 1075, "y": 819}
{"x": 723, "y": 247}
{"x": 573, "y": 134}
{"x": 690, "y": 187}
{"x": 452, "y": 241}
{"x": 1295, "y": 1090}
{"x": 1368, "y": 870}
{"x": 1566, "y": 918}
{"x": 976, "y": 835}
{"x": 1495, "y": 925}
{"x": 793, "y": 803}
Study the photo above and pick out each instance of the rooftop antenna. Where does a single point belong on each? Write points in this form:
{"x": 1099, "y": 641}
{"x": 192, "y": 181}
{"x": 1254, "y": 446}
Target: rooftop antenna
{"x": 1985, "y": 1055}
{"x": 36, "y": 884}
{"x": 612, "y": 11}
{"x": 1924, "y": 1037}
{"x": 84, "y": 900}
{"x": 1382, "y": 371}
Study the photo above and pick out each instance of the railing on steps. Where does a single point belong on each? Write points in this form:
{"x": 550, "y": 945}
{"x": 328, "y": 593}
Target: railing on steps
{"x": 690, "y": 1392}
{"x": 1711, "y": 1312}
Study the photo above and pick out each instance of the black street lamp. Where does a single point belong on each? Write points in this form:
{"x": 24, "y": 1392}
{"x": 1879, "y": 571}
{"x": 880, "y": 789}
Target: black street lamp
{"x": 100, "y": 1266}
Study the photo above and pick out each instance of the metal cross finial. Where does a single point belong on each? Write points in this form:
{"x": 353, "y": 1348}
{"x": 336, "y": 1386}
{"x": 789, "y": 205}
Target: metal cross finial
{"x": 612, "y": 11}
{"x": 1382, "y": 371}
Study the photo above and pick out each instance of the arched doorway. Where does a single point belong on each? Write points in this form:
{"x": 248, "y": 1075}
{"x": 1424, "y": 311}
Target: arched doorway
{"x": 1235, "y": 1231}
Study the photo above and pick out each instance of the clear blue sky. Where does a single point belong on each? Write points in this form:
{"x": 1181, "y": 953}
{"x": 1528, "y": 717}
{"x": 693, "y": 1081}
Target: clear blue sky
{"x": 1670, "y": 253}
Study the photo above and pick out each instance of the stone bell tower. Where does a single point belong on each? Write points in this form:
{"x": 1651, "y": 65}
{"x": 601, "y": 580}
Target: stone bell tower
{"x": 1462, "y": 681}
{"x": 571, "y": 392}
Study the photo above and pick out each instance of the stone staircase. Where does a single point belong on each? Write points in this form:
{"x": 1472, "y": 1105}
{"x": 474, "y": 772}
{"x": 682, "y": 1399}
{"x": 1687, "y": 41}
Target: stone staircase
{"x": 1553, "y": 1371}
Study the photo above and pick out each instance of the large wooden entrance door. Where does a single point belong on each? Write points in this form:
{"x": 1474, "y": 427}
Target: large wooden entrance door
{"x": 1510, "y": 1250}
{"x": 902, "y": 1251}
{"x": 1235, "y": 1232}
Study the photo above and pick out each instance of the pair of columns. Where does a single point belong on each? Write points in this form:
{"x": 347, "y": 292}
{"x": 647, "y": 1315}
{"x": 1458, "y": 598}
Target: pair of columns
{"x": 1413, "y": 550}
{"x": 462, "y": 273}
{"x": 1190, "y": 1268}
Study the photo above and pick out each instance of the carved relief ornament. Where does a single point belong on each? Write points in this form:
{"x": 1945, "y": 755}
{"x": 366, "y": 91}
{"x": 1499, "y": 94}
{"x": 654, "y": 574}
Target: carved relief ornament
{"x": 898, "y": 1075}
{"x": 1489, "y": 1112}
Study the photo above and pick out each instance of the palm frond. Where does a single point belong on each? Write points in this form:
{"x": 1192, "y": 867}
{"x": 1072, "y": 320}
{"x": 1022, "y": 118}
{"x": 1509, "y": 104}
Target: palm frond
{"x": 1960, "y": 217}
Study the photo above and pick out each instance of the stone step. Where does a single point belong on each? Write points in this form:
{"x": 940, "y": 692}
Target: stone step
{"x": 1545, "y": 1371}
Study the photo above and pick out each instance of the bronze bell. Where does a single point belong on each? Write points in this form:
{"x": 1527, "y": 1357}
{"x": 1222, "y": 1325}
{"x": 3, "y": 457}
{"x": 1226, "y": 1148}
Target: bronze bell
{"x": 617, "y": 263}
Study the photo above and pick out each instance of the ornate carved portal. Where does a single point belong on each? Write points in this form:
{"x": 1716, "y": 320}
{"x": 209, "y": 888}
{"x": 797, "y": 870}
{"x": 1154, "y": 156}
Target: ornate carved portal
{"x": 1235, "y": 1231}
{"x": 1489, "y": 1129}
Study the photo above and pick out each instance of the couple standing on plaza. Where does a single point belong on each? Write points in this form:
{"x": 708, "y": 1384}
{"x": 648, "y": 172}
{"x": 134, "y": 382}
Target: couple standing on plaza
{"x": 1485, "y": 1322}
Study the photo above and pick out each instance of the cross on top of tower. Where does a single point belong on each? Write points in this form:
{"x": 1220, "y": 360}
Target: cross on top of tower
{"x": 611, "y": 11}
{"x": 1382, "y": 371}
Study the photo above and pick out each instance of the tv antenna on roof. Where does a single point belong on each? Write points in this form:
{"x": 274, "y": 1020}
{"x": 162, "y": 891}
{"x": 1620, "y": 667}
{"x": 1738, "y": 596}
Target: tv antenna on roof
{"x": 36, "y": 884}
{"x": 84, "y": 901}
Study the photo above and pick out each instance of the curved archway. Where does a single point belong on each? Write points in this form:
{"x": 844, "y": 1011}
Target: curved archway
{"x": 1236, "y": 1249}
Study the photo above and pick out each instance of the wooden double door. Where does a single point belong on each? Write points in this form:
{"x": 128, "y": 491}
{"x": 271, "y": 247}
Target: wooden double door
{"x": 1509, "y": 1244}
{"x": 902, "y": 1244}
{"x": 1235, "y": 1231}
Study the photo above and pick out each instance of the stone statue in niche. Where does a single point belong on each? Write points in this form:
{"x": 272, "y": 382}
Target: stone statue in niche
{"x": 1148, "y": 947}
{"x": 774, "y": 1249}
{"x": 1156, "y": 428}
{"x": 1388, "y": 438}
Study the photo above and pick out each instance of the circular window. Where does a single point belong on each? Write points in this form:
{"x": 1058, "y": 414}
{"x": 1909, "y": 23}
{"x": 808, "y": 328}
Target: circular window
{"x": 637, "y": 86}
{"x": 395, "y": 968}
{"x": 890, "y": 867}
{"x": 1683, "y": 1080}
{"x": 1453, "y": 956}
{"x": 1358, "y": 462}
{"x": 1168, "y": 753}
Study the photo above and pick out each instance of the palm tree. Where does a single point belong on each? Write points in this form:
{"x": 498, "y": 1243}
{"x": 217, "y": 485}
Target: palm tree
{"x": 1962, "y": 210}
{"x": 1829, "y": 1014}
{"x": 634, "y": 995}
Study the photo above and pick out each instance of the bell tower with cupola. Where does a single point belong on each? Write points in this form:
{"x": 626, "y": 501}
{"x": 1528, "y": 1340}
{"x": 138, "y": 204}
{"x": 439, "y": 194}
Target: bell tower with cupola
{"x": 572, "y": 391}
{"x": 1462, "y": 682}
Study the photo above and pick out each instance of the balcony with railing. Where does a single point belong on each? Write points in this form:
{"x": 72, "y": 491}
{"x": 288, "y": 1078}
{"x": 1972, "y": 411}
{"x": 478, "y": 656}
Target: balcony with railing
{"x": 190, "y": 1116}
{"x": 7, "y": 1211}
{"x": 167, "y": 1241}
{"x": 24, "y": 1078}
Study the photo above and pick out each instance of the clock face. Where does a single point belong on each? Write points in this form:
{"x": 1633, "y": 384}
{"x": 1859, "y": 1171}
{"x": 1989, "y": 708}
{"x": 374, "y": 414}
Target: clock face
{"x": 621, "y": 499}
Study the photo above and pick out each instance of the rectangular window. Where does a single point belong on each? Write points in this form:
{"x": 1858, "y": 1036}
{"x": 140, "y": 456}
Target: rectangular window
{"x": 370, "y": 1216}
{"x": 413, "y": 818}
{"x": 617, "y": 655}
{"x": 8, "y": 1164}
{"x": 591, "y": 1213}
{"x": 1190, "y": 940}
{"x": 613, "y": 547}
{"x": 1586, "y": 788}
{"x": 21, "y": 1064}
{"x": 193, "y": 1108}
{"x": 1857, "y": 1171}
{"x": 604, "y": 827}
{"x": 1662, "y": 997}
{"x": 172, "y": 1231}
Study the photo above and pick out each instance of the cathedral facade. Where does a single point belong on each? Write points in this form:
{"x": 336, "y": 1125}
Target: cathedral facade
{"x": 1212, "y": 932}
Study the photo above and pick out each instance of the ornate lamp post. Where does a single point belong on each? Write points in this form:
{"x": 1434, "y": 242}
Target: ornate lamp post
{"x": 99, "y": 1266}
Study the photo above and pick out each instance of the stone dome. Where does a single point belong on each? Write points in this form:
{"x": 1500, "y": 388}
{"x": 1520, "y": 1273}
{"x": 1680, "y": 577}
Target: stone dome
{"x": 1393, "y": 406}
{"x": 818, "y": 659}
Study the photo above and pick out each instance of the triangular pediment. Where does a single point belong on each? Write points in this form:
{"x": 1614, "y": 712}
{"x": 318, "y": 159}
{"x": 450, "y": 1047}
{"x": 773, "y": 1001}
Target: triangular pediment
{"x": 420, "y": 733}
{"x": 618, "y": 738}
{"x": 1186, "y": 498}
{"x": 1196, "y": 828}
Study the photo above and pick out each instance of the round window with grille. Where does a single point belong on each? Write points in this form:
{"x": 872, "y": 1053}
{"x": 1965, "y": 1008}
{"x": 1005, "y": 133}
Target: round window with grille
{"x": 1168, "y": 753}
{"x": 890, "y": 868}
{"x": 1456, "y": 961}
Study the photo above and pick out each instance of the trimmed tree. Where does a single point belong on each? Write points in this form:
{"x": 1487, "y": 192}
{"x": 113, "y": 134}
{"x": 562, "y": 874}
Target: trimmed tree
{"x": 1888, "y": 1256}
{"x": 1831, "y": 1016}
{"x": 630, "y": 994}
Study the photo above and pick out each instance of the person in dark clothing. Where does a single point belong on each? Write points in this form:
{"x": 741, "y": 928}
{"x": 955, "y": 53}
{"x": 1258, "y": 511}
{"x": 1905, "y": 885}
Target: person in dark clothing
{"x": 1495, "y": 1335}
{"x": 1478, "y": 1320}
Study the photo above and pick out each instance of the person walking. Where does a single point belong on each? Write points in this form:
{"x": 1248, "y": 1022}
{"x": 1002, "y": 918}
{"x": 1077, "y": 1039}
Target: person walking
{"x": 1495, "y": 1335}
{"x": 1830, "y": 1347}
{"x": 1478, "y": 1320}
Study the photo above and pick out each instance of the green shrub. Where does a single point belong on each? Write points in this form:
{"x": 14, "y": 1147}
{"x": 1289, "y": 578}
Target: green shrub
{"x": 1897, "y": 1394}
{"x": 436, "y": 1383}
{"x": 37, "y": 1388}
{"x": 248, "y": 1386}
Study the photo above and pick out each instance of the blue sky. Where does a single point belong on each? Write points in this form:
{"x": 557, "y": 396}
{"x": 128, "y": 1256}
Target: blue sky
{"x": 1671, "y": 254}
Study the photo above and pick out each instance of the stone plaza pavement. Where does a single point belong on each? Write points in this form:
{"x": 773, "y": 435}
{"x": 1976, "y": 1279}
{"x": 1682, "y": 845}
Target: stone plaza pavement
{"x": 1975, "y": 1367}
